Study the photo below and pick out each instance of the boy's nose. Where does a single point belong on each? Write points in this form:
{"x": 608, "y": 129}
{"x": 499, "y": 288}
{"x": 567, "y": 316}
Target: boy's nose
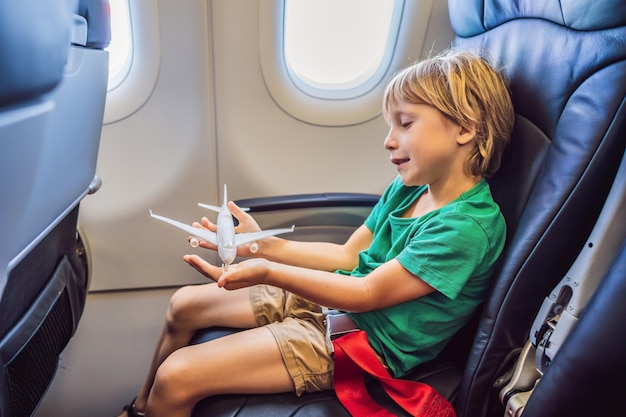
{"x": 390, "y": 141}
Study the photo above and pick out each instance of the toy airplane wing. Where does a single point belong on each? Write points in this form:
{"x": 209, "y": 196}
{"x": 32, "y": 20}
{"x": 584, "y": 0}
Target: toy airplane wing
{"x": 243, "y": 238}
{"x": 203, "y": 234}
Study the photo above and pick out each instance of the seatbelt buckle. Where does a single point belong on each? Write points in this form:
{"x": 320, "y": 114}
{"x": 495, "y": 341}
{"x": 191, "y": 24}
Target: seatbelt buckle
{"x": 337, "y": 323}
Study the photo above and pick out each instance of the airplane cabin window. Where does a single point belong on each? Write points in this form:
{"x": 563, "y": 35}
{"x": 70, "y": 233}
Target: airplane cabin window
{"x": 326, "y": 62}
{"x": 121, "y": 46}
{"x": 337, "y": 44}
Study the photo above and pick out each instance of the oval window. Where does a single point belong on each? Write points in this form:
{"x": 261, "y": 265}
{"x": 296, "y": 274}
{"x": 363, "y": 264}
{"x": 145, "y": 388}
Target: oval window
{"x": 327, "y": 62}
{"x": 336, "y": 44}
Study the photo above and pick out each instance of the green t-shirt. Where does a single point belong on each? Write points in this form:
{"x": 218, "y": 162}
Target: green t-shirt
{"x": 453, "y": 249}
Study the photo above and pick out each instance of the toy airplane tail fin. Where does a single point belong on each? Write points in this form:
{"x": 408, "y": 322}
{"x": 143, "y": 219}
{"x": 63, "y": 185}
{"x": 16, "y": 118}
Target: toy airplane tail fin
{"x": 216, "y": 208}
{"x": 226, "y": 201}
{"x": 210, "y": 207}
{"x": 225, "y": 204}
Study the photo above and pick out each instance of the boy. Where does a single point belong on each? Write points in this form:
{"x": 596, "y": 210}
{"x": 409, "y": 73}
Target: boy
{"x": 410, "y": 276}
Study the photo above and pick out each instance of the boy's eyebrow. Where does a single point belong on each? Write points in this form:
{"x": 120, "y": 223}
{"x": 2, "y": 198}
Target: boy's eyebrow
{"x": 406, "y": 108}
{"x": 401, "y": 113}
{"x": 399, "y": 110}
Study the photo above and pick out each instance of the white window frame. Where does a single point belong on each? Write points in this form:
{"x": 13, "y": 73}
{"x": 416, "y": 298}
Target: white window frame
{"x": 332, "y": 107}
{"x": 134, "y": 90}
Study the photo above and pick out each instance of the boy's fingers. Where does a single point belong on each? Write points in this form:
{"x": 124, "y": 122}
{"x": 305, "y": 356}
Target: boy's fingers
{"x": 206, "y": 223}
{"x": 202, "y": 266}
{"x": 234, "y": 209}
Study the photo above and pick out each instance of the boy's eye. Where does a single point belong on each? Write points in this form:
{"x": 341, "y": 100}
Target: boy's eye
{"x": 406, "y": 124}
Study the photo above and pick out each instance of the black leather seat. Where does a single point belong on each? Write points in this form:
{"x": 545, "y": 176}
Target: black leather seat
{"x": 566, "y": 61}
{"x": 53, "y": 78}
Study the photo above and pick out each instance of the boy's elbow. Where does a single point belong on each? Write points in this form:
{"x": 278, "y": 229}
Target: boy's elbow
{"x": 347, "y": 259}
{"x": 365, "y": 300}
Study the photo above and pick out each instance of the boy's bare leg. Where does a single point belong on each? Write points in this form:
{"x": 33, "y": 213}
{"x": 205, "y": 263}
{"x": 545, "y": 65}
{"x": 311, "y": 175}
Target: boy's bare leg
{"x": 192, "y": 308}
{"x": 244, "y": 362}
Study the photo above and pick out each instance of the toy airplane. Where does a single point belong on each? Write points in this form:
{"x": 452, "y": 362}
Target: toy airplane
{"x": 225, "y": 239}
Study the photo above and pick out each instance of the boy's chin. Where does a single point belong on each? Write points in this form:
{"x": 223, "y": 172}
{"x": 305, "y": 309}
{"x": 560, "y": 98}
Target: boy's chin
{"x": 408, "y": 182}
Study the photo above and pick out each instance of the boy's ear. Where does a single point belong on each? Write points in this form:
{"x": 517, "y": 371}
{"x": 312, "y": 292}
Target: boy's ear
{"x": 466, "y": 134}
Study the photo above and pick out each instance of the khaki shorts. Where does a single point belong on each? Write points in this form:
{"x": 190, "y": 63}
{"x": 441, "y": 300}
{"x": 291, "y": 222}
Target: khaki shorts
{"x": 298, "y": 327}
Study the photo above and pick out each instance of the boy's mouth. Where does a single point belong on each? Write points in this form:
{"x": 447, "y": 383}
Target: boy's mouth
{"x": 398, "y": 161}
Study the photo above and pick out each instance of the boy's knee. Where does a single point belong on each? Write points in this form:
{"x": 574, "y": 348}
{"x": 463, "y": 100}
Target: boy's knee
{"x": 178, "y": 305}
{"x": 172, "y": 384}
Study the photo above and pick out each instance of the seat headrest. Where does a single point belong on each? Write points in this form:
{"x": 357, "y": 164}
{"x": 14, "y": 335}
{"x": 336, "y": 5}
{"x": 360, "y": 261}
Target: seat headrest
{"x": 472, "y": 17}
{"x": 547, "y": 82}
{"x": 98, "y": 16}
{"x": 34, "y": 44}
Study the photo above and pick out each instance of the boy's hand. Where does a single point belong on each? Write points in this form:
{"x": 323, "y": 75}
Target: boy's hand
{"x": 245, "y": 274}
{"x": 246, "y": 224}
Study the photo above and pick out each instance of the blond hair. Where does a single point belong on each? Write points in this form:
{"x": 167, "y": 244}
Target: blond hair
{"x": 466, "y": 89}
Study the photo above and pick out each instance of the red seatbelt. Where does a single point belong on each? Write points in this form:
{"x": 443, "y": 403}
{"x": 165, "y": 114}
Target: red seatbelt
{"x": 353, "y": 355}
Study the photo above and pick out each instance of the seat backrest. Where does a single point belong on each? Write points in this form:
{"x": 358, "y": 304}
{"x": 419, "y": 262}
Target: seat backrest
{"x": 34, "y": 46}
{"x": 67, "y": 163}
{"x": 566, "y": 62}
{"x": 53, "y": 79}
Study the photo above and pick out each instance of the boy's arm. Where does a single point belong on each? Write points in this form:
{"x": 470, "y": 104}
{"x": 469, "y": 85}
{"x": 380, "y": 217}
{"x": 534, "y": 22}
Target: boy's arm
{"x": 321, "y": 256}
{"x": 387, "y": 285}
{"x": 315, "y": 255}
